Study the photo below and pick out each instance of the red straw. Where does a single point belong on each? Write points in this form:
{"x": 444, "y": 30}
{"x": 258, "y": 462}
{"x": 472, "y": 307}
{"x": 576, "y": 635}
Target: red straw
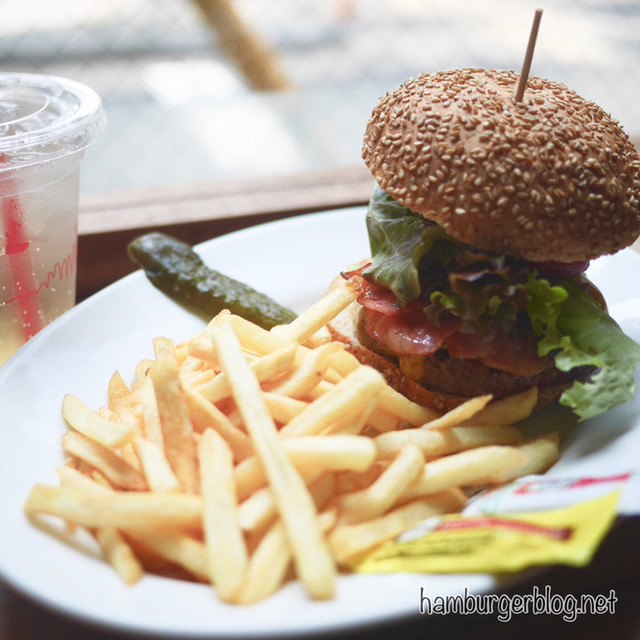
{"x": 20, "y": 263}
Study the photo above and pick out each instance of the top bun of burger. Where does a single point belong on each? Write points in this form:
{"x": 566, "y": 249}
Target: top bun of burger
{"x": 553, "y": 177}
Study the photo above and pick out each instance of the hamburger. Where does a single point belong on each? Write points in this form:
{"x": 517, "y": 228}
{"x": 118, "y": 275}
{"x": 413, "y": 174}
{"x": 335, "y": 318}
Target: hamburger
{"x": 484, "y": 217}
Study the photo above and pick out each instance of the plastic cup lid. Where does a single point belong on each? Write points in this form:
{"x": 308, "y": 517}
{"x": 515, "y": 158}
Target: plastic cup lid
{"x": 45, "y": 117}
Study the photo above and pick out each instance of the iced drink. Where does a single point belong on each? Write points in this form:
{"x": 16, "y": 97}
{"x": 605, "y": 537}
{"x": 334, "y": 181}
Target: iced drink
{"x": 45, "y": 125}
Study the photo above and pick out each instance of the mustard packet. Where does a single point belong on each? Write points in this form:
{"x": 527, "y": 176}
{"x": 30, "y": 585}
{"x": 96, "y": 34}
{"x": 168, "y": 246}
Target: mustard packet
{"x": 497, "y": 543}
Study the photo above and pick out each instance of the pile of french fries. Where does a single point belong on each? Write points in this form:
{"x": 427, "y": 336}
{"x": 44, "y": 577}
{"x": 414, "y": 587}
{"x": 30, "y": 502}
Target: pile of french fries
{"x": 247, "y": 458}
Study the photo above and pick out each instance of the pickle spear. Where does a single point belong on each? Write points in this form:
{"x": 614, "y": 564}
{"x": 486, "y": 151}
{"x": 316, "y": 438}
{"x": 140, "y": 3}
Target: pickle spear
{"x": 178, "y": 271}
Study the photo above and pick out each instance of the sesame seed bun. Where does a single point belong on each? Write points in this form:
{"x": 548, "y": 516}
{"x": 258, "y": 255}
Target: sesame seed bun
{"x": 553, "y": 177}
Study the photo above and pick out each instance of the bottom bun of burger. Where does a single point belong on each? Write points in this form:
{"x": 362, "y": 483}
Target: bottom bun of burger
{"x": 442, "y": 382}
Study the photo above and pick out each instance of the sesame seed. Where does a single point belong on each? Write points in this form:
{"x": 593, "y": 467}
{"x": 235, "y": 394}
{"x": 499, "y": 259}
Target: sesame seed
{"x": 530, "y": 173}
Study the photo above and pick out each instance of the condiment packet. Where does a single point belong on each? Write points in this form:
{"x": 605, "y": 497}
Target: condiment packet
{"x": 486, "y": 538}
{"x": 538, "y": 492}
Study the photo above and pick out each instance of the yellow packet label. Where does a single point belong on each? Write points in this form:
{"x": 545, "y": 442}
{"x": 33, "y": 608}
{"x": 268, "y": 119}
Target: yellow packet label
{"x": 499, "y": 543}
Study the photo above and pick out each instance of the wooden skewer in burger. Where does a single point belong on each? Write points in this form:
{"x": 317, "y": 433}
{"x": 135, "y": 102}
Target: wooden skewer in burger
{"x": 486, "y": 212}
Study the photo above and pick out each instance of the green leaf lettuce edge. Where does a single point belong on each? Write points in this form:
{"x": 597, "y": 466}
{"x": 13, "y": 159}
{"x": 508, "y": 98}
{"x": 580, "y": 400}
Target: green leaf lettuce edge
{"x": 572, "y": 327}
{"x": 576, "y": 331}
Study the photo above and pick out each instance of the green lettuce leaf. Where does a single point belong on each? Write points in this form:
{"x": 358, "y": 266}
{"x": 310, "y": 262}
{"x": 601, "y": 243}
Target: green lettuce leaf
{"x": 412, "y": 256}
{"x": 483, "y": 289}
{"x": 398, "y": 240}
{"x": 576, "y": 331}
{"x": 543, "y": 310}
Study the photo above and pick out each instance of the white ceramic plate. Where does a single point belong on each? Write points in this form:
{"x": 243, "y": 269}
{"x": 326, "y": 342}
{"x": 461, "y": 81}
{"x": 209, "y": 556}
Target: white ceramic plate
{"x": 292, "y": 260}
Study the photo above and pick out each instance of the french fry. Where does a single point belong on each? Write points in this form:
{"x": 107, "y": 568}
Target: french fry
{"x": 254, "y": 339}
{"x": 400, "y": 406}
{"x": 321, "y": 388}
{"x": 118, "y": 471}
{"x": 353, "y": 424}
{"x": 205, "y": 415}
{"x": 542, "y": 453}
{"x": 313, "y": 561}
{"x": 84, "y": 420}
{"x": 71, "y": 478}
{"x": 382, "y": 421}
{"x": 343, "y": 399}
{"x": 258, "y": 511}
{"x": 155, "y": 466}
{"x": 119, "y": 554}
{"x": 474, "y": 467}
{"x": 267, "y": 567}
{"x": 310, "y": 454}
{"x": 181, "y": 354}
{"x": 322, "y": 453}
{"x": 129, "y": 455}
{"x": 115, "y": 548}
{"x": 283, "y": 408}
{"x": 350, "y": 481}
{"x": 322, "y": 488}
{"x": 264, "y": 368}
{"x": 106, "y": 414}
{"x": 226, "y": 550}
{"x": 376, "y": 417}
{"x": 197, "y": 378}
{"x": 320, "y": 337}
{"x": 175, "y": 546}
{"x": 319, "y": 314}
{"x": 328, "y": 518}
{"x": 389, "y": 399}
{"x": 508, "y": 410}
{"x": 142, "y": 372}
{"x": 462, "y": 413}
{"x": 383, "y": 493}
{"x": 135, "y": 509}
{"x": 191, "y": 368}
{"x": 435, "y": 442}
{"x": 348, "y": 541}
{"x": 308, "y": 373}
{"x": 152, "y": 428}
{"x": 117, "y": 391}
{"x": 177, "y": 430}
{"x": 200, "y": 347}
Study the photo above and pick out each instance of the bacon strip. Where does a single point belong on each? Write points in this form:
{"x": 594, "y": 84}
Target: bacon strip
{"x": 406, "y": 331}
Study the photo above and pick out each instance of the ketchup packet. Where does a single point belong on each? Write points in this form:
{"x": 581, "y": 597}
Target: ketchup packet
{"x": 537, "y": 520}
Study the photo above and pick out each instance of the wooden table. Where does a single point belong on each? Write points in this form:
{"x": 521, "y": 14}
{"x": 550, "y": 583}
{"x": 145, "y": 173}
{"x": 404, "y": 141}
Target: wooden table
{"x": 195, "y": 213}
{"x": 199, "y": 212}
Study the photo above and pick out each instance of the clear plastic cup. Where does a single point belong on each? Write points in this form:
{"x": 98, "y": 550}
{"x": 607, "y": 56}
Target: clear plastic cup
{"x": 46, "y": 123}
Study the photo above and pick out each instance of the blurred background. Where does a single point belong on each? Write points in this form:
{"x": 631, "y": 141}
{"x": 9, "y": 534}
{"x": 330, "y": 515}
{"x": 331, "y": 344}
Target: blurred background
{"x": 209, "y": 90}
